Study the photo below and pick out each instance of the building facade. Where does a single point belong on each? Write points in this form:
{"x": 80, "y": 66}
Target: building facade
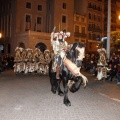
{"x": 29, "y": 22}
{"x": 80, "y": 28}
{"x": 26, "y": 23}
{"x": 115, "y": 13}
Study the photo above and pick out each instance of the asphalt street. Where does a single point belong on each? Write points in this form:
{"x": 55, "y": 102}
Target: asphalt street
{"x": 28, "y": 97}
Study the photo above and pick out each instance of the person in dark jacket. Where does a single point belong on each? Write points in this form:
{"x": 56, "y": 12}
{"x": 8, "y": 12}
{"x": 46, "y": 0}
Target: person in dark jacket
{"x": 113, "y": 72}
{"x": 118, "y": 74}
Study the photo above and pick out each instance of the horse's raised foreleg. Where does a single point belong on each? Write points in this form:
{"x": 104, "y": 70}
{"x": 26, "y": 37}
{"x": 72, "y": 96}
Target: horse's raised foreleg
{"x": 66, "y": 101}
{"x": 75, "y": 84}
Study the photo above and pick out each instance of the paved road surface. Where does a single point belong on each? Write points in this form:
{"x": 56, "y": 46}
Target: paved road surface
{"x": 28, "y": 97}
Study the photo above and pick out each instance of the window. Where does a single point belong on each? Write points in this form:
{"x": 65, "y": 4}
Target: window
{"x": 28, "y": 18}
{"x": 94, "y": 16}
{"x": 9, "y": 6}
{"x": 39, "y": 7}
{"x": 63, "y": 19}
{"x": 77, "y": 18}
{"x": 83, "y": 41}
{"x": 89, "y": 15}
{"x": 76, "y": 40}
{"x": 49, "y": 7}
{"x": 3, "y": 8}
{"x": 28, "y": 5}
{"x": 89, "y": 25}
{"x": 90, "y": 36}
{"x": 9, "y": 48}
{"x": 39, "y": 20}
{"x": 90, "y": 5}
{"x": 77, "y": 28}
{"x": 64, "y": 5}
{"x": 28, "y": 23}
{"x": 82, "y": 19}
{"x": 83, "y": 29}
{"x": 98, "y": 37}
{"x": 90, "y": 46}
{"x": 99, "y": 19}
{"x": 94, "y": 36}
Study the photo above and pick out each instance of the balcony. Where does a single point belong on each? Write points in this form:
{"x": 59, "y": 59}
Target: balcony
{"x": 77, "y": 34}
{"x": 94, "y": 29}
{"x": 90, "y": 28}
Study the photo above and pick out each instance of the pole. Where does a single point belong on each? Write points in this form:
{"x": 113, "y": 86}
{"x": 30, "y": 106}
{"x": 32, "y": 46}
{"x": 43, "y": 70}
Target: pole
{"x": 108, "y": 28}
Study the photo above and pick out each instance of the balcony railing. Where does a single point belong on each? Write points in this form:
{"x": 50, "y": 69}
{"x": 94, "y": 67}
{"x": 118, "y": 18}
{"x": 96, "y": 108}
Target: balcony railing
{"x": 77, "y": 34}
{"x": 94, "y": 29}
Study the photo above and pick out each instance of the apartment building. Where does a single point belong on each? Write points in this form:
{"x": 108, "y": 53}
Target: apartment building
{"x": 26, "y": 23}
{"x": 80, "y": 28}
{"x": 115, "y": 13}
{"x": 18, "y": 19}
{"x": 94, "y": 12}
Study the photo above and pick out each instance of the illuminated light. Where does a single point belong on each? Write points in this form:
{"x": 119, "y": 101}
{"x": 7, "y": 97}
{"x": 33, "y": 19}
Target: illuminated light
{"x": 119, "y": 17}
{"x": 0, "y": 35}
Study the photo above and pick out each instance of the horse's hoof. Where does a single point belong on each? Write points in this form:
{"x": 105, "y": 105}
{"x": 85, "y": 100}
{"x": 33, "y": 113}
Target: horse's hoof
{"x": 67, "y": 103}
{"x": 53, "y": 91}
{"x": 60, "y": 93}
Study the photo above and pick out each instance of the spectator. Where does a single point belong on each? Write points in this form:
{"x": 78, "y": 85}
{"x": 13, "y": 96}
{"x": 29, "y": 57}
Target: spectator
{"x": 109, "y": 70}
{"x": 118, "y": 74}
{"x": 112, "y": 73}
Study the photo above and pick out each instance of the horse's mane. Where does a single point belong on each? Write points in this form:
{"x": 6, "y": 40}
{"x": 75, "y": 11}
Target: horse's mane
{"x": 73, "y": 53}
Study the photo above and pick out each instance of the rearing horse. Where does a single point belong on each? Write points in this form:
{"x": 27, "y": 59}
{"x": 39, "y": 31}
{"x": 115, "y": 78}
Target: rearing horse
{"x": 70, "y": 72}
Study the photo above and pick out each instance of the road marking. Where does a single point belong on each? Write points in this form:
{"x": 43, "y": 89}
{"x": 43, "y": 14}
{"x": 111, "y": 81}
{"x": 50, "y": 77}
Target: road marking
{"x": 115, "y": 99}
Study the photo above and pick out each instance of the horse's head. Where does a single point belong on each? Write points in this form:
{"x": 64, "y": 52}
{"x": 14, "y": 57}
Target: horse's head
{"x": 77, "y": 53}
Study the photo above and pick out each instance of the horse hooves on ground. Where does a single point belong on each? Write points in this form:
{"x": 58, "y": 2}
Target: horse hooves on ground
{"x": 60, "y": 93}
{"x": 67, "y": 103}
{"x": 54, "y": 92}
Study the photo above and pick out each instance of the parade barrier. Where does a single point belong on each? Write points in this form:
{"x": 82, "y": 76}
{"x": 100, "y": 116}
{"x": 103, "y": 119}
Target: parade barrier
{"x": 31, "y": 61}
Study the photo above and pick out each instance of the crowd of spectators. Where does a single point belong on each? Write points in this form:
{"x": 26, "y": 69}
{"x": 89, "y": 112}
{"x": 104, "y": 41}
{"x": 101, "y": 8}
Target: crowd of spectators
{"x": 89, "y": 64}
{"x": 6, "y": 62}
{"x": 113, "y": 65}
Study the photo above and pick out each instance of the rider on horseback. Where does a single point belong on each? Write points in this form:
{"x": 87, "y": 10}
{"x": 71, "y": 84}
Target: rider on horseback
{"x": 59, "y": 47}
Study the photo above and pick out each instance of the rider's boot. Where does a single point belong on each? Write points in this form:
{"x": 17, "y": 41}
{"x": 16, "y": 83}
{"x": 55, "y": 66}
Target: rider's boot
{"x": 58, "y": 72}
